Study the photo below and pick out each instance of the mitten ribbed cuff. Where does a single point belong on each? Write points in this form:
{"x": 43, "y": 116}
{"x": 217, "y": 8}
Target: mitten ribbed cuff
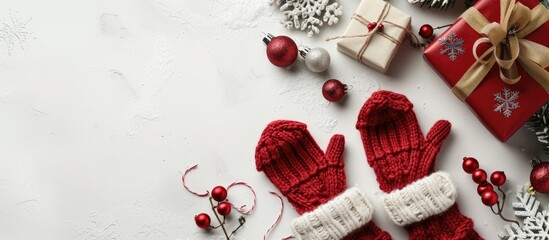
{"x": 335, "y": 219}
{"x": 369, "y": 231}
{"x": 450, "y": 225}
{"x": 429, "y": 196}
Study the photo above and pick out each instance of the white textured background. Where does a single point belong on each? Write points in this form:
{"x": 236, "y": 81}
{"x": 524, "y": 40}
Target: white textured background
{"x": 104, "y": 103}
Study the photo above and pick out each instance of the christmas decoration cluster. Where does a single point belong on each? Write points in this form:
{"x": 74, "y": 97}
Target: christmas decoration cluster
{"x": 494, "y": 57}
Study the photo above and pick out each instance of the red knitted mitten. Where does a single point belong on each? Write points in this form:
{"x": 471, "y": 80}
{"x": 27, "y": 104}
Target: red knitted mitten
{"x": 315, "y": 184}
{"x": 403, "y": 161}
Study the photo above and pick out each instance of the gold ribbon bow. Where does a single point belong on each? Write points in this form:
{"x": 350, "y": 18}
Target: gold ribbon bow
{"x": 507, "y": 46}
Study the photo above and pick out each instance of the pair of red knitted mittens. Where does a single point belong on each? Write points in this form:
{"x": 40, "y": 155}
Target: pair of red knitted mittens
{"x": 314, "y": 181}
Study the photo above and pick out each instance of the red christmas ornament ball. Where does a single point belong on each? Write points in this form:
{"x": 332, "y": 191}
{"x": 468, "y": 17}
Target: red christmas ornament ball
{"x": 469, "y": 164}
{"x": 333, "y": 90}
{"x": 224, "y": 208}
{"x": 498, "y": 178}
{"x": 202, "y": 220}
{"x": 282, "y": 51}
{"x": 483, "y": 187}
{"x": 489, "y": 198}
{"x": 539, "y": 177}
{"x": 479, "y": 176}
{"x": 219, "y": 193}
{"x": 380, "y": 27}
{"x": 426, "y": 31}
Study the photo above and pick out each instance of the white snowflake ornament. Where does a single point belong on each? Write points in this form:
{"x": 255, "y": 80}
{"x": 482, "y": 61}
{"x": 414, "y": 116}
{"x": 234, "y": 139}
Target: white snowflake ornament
{"x": 452, "y": 46}
{"x": 535, "y": 223}
{"x": 506, "y": 101}
{"x": 308, "y": 15}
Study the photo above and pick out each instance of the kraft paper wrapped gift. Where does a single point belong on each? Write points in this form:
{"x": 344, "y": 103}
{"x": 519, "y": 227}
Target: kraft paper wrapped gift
{"x": 378, "y": 47}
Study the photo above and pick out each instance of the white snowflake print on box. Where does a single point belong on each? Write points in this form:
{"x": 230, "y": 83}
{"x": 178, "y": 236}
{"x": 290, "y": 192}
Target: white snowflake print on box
{"x": 506, "y": 101}
{"x": 308, "y": 15}
{"x": 451, "y": 46}
{"x": 535, "y": 224}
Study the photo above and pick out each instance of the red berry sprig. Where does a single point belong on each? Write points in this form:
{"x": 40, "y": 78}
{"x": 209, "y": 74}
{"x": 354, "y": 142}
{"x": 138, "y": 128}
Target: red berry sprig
{"x": 223, "y": 208}
{"x": 427, "y": 32}
{"x": 485, "y": 189}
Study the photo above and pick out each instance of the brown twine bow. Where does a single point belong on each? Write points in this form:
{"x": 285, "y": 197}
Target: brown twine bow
{"x": 507, "y": 46}
{"x": 376, "y": 29}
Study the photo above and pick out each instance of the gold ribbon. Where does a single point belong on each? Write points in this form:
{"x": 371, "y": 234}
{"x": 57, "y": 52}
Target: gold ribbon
{"x": 368, "y": 36}
{"x": 507, "y": 46}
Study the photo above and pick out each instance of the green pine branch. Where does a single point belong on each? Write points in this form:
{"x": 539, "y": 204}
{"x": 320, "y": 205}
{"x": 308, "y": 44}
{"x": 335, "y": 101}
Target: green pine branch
{"x": 545, "y": 3}
{"x": 438, "y": 4}
{"x": 539, "y": 124}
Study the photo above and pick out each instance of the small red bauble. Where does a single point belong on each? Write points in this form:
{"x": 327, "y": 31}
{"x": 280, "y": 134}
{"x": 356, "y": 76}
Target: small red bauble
{"x": 498, "y": 178}
{"x": 483, "y": 187}
{"x": 333, "y": 90}
{"x": 219, "y": 193}
{"x": 469, "y": 164}
{"x": 489, "y": 198}
{"x": 426, "y": 31}
{"x": 224, "y": 208}
{"x": 202, "y": 220}
{"x": 479, "y": 176}
{"x": 539, "y": 177}
{"x": 282, "y": 51}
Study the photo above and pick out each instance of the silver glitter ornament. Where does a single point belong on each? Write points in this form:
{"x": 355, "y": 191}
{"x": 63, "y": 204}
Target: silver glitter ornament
{"x": 316, "y": 59}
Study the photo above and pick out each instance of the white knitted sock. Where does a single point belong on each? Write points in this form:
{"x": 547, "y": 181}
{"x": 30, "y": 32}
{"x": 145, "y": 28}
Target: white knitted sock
{"x": 423, "y": 198}
{"x": 336, "y": 218}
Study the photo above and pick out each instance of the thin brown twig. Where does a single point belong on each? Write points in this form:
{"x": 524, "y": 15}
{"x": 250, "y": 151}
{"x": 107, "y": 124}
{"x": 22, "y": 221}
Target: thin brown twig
{"x": 219, "y": 220}
{"x": 242, "y": 221}
{"x": 504, "y": 196}
{"x": 492, "y": 208}
{"x": 500, "y": 208}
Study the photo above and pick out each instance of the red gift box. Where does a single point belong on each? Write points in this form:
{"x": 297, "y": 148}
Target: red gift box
{"x": 503, "y": 107}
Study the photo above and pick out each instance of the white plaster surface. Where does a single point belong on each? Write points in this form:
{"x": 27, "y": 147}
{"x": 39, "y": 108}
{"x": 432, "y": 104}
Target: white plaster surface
{"x": 104, "y": 104}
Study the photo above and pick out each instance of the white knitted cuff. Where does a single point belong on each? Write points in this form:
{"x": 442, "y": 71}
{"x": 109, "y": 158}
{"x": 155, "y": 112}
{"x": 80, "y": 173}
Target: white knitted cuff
{"x": 421, "y": 199}
{"x": 336, "y": 218}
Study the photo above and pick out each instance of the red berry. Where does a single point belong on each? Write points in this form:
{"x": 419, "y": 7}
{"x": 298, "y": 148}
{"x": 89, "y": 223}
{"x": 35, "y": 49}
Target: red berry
{"x": 483, "y": 187}
{"x": 224, "y": 208}
{"x": 469, "y": 164}
{"x": 371, "y": 26}
{"x": 333, "y": 90}
{"x": 479, "y": 176}
{"x": 282, "y": 51}
{"x": 202, "y": 220}
{"x": 489, "y": 198}
{"x": 426, "y": 31}
{"x": 219, "y": 193}
{"x": 380, "y": 27}
{"x": 498, "y": 178}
